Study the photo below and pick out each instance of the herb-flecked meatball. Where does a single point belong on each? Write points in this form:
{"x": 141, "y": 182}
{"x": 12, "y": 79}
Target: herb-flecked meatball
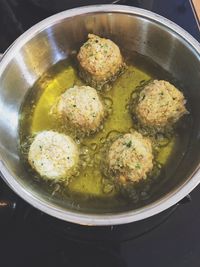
{"x": 53, "y": 155}
{"x": 100, "y": 61}
{"x": 130, "y": 158}
{"x": 160, "y": 104}
{"x": 82, "y": 107}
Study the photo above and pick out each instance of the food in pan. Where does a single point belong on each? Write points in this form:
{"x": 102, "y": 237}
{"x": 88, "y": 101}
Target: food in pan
{"x": 82, "y": 107}
{"x": 100, "y": 61}
{"x": 130, "y": 158}
{"x": 117, "y": 163}
{"x": 53, "y": 155}
{"x": 160, "y": 104}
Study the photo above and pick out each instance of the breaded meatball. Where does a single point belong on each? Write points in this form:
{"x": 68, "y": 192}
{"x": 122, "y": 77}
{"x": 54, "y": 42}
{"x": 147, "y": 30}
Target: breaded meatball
{"x": 130, "y": 158}
{"x": 82, "y": 107}
{"x": 100, "y": 61}
{"x": 53, "y": 155}
{"x": 160, "y": 104}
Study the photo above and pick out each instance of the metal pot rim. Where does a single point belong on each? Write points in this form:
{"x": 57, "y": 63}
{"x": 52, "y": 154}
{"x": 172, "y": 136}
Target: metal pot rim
{"x": 105, "y": 219}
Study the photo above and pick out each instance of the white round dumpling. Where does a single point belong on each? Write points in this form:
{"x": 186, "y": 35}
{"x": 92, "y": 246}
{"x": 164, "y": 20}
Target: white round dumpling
{"x": 82, "y": 107}
{"x": 53, "y": 155}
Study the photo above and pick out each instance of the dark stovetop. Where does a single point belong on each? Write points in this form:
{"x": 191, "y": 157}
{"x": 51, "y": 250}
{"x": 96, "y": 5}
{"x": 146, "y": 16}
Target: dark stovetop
{"x": 31, "y": 238}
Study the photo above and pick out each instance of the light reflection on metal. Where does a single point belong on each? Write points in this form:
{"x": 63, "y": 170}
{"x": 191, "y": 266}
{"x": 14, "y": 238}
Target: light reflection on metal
{"x": 30, "y": 78}
{"x": 57, "y": 54}
{"x": 10, "y": 116}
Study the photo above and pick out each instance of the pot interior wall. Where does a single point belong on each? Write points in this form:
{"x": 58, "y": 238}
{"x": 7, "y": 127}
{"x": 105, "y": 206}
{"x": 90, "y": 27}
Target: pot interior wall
{"x": 57, "y": 42}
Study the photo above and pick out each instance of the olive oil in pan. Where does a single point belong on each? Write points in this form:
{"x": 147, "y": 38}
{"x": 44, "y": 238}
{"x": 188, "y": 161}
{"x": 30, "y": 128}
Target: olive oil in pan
{"x": 89, "y": 183}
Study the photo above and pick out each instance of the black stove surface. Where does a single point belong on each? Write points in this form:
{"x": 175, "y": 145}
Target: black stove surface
{"x": 29, "y": 237}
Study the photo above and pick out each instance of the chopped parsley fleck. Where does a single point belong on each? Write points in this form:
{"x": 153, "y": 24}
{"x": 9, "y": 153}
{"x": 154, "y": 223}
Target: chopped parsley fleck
{"x": 129, "y": 144}
{"x": 137, "y": 166}
{"x": 86, "y": 45}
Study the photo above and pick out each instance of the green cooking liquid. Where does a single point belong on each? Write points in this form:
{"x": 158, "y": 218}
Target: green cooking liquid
{"x": 36, "y": 117}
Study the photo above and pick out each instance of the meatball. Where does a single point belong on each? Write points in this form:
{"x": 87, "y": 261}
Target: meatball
{"x": 53, "y": 155}
{"x": 82, "y": 107}
{"x": 100, "y": 61}
{"x": 130, "y": 158}
{"x": 160, "y": 104}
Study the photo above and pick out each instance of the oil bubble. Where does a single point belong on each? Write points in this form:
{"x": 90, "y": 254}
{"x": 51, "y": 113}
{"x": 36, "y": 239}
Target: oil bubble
{"x": 93, "y": 146}
{"x": 84, "y": 150}
{"x": 108, "y": 188}
{"x": 102, "y": 140}
{"x": 108, "y": 102}
{"x": 112, "y": 134}
{"x": 127, "y": 106}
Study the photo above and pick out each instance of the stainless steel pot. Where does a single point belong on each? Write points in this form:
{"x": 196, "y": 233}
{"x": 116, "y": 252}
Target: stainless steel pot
{"x": 54, "y": 39}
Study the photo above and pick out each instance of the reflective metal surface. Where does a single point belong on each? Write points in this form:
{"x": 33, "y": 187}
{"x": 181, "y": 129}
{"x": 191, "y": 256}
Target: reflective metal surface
{"x": 54, "y": 39}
